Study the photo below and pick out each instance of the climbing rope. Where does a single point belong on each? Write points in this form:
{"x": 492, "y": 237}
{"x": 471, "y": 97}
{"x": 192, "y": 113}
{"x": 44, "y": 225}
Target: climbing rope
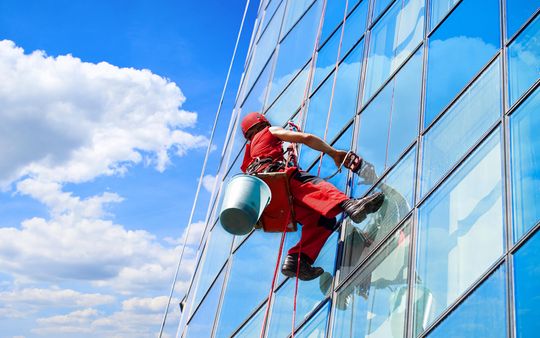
{"x": 203, "y": 170}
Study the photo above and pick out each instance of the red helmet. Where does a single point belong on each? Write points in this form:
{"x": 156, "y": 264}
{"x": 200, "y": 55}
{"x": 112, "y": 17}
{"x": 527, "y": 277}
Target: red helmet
{"x": 252, "y": 119}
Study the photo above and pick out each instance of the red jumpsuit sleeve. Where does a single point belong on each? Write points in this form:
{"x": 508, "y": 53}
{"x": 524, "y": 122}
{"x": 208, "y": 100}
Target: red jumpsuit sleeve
{"x": 247, "y": 158}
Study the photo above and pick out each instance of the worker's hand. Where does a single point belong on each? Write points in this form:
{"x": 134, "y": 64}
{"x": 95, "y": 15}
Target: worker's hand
{"x": 338, "y": 156}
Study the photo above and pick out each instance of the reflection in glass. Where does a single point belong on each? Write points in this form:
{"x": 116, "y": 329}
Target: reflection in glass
{"x": 249, "y": 280}
{"x": 517, "y": 12}
{"x": 265, "y": 46}
{"x": 378, "y": 8}
{"x": 294, "y": 10}
{"x": 316, "y": 328}
{"x": 296, "y": 49}
{"x": 355, "y": 25}
{"x": 461, "y": 126}
{"x": 527, "y": 284}
{"x": 326, "y": 60}
{"x": 460, "y": 231}
{"x": 438, "y": 10}
{"x": 218, "y": 249}
{"x": 270, "y": 11}
{"x": 287, "y": 104}
{"x": 482, "y": 314}
{"x": 252, "y": 329}
{"x": 390, "y": 123}
{"x": 374, "y": 303}
{"x": 458, "y": 49}
{"x": 524, "y": 60}
{"x": 346, "y": 91}
{"x": 393, "y": 39}
{"x": 310, "y": 293}
{"x": 398, "y": 189}
{"x": 203, "y": 320}
{"x": 525, "y": 161}
{"x": 315, "y": 118}
{"x": 332, "y": 17}
{"x": 328, "y": 167}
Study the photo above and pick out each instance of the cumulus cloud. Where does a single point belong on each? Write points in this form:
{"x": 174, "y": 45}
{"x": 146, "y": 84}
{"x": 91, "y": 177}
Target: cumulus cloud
{"x": 138, "y": 317}
{"x": 208, "y": 182}
{"x": 68, "y": 120}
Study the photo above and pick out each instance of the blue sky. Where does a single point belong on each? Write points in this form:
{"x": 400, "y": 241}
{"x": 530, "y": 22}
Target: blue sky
{"x": 106, "y": 130}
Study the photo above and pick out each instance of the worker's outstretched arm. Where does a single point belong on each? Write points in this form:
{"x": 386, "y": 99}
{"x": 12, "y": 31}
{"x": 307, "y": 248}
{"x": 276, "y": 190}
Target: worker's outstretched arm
{"x": 309, "y": 140}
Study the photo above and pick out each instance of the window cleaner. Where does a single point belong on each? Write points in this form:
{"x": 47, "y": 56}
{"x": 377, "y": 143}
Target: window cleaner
{"x": 313, "y": 202}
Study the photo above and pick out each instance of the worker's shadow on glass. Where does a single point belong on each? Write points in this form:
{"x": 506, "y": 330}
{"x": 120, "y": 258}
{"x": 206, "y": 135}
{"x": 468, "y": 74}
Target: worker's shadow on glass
{"x": 361, "y": 237}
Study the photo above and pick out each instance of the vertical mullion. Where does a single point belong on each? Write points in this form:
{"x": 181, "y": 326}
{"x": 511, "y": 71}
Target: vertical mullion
{"x": 510, "y": 302}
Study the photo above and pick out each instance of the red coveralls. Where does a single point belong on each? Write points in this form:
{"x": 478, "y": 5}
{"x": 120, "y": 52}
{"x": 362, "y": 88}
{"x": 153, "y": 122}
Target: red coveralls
{"x": 315, "y": 201}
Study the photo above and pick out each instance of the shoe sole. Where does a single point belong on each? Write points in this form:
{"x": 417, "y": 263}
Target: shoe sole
{"x": 301, "y": 276}
{"x": 369, "y": 207}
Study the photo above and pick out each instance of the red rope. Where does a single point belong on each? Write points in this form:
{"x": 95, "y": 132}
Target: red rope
{"x": 299, "y": 117}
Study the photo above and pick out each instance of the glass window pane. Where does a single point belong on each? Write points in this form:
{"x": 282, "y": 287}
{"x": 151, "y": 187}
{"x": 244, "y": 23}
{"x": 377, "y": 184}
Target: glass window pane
{"x": 398, "y": 189}
{"x": 249, "y": 281}
{"x": 525, "y": 160}
{"x": 524, "y": 60}
{"x": 295, "y": 9}
{"x": 461, "y": 126}
{"x": 253, "y": 328}
{"x": 346, "y": 91}
{"x": 374, "y": 303}
{"x": 378, "y": 7}
{"x": 255, "y": 98}
{"x": 438, "y": 10}
{"x": 405, "y": 110}
{"x": 326, "y": 59}
{"x": 203, "y": 320}
{"x": 517, "y": 12}
{"x": 527, "y": 284}
{"x": 458, "y": 49}
{"x": 310, "y": 293}
{"x": 217, "y": 251}
{"x": 316, "y": 117}
{"x": 355, "y": 26}
{"x": 270, "y": 11}
{"x": 335, "y": 10}
{"x": 373, "y": 130}
{"x": 328, "y": 167}
{"x": 482, "y": 314}
{"x": 460, "y": 231}
{"x": 296, "y": 49}
{"x": 393, "y": 39}
{"x": 265, "y": 46}
{"x": 316, "y": 328}
{"x": 287, "y": 104}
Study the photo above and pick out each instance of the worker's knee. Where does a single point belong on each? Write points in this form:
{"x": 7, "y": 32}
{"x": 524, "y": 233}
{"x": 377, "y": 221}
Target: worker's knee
{"x": 328, "y": 223}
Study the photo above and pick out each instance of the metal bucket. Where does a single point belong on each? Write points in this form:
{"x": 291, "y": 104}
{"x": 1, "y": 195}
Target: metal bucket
{"x": 243, "y": 203}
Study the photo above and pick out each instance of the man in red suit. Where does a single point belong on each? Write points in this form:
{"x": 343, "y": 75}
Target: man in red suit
{"x": 316, "y": 202}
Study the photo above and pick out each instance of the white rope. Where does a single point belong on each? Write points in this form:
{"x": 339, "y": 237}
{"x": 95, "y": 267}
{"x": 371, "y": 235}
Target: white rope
{"x": 203, "y": 170}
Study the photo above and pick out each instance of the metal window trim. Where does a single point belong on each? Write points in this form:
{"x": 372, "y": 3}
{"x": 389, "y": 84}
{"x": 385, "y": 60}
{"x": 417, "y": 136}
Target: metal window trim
{"x": 462, "y": 91}
{"x": 364, "y": 262}
{"x": 431, "y": 30}
{"x": 390, "y": 78}
{"x": 523, "y": 27}
{"x": 205, "y": 295}
{"x": 523, "y": 97}
{"x": 372, "y": 21}
{"x": 312, "y": 314}
{"x": 500, "y": 262}
{"x": 295, "y": 23}
{"x": 469, "y": 153}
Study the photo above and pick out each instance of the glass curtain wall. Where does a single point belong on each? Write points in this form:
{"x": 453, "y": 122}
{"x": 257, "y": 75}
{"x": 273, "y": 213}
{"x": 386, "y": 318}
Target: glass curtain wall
{"x": 441, "y": 98}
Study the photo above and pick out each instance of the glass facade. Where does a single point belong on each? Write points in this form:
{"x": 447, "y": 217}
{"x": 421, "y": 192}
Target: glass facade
{"x": 441, "y": 98}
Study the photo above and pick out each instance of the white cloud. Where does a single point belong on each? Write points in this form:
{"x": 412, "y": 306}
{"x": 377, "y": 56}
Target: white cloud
{"x": 208, "y": 182}
{"x": 56, "y": 297}
{"x": 66, "y": 120}
{"x": 138, "y": 317}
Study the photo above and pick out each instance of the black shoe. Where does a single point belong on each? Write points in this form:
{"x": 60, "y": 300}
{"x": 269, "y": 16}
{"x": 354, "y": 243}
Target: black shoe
{"x": 358, "y": 209}
{"x": 305, "y": 272}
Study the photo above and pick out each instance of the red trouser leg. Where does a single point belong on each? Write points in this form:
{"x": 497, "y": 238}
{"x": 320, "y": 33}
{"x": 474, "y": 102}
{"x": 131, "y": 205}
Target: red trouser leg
{"x": 316, "y": 204}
